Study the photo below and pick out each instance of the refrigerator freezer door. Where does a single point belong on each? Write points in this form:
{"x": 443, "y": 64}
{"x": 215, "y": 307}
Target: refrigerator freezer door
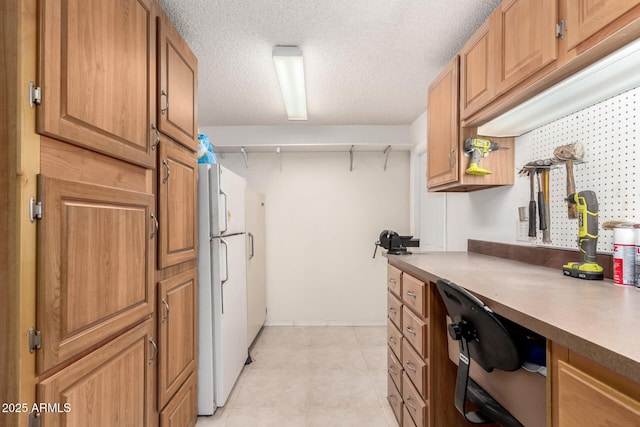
{"x": 230, "y": 189}
{"x": 231, "y": 323}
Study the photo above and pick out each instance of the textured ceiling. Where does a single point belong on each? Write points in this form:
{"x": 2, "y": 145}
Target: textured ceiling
{"x": 367, "y": 62}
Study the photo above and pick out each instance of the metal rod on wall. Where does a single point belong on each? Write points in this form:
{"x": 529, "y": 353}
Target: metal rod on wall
{"x": 351, "y": 159}
{"x": 386, "y": 158}
{"x": 246, "y": 156}
{"x": 279, "y": 157}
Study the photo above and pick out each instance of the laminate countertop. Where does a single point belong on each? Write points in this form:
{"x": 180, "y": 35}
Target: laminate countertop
{"x": 597, "y": 319}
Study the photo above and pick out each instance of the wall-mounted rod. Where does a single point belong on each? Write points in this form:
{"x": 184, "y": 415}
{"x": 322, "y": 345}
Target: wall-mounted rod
{"x": 351, "y": 159}
{"x": 279, "y": 157}
{"x": 386, "y": 157}
{"x": 246, "y": 156}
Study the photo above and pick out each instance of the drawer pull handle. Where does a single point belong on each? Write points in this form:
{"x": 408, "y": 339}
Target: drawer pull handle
{"x": 393, "y": 400}
{"x": 392, "y": 281}
{"x": 410, "y": 366}
{"x": 392, "y": 341}
{"x": 392, "y": 370}
{"x": 406, "y": 401}
{"x": 411, "y": 294}
{"x": 410, "y": 330}
{"x": 392, "y": 310}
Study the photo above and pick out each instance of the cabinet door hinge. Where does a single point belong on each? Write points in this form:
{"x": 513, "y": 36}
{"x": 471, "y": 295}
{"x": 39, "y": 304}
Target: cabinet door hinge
{"x": 34, "y": 418}
{"x": 35, "y": 95}
{"x": 561, "y": 27}
{"x": 35, "y": 340}
{"x": 35, "y": 210}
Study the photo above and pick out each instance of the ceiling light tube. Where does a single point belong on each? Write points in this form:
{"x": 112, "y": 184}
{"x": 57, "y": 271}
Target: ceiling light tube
{"x": 290, "y": 70}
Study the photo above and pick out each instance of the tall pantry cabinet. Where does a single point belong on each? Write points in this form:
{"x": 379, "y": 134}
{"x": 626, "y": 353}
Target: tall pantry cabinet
{"x": 115, "y": 328}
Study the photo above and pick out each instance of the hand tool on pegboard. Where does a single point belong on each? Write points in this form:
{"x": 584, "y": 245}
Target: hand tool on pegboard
{"x": 546, "y": 233}
{"x": 569, "y": 154}
{"x": 533, "y": 169}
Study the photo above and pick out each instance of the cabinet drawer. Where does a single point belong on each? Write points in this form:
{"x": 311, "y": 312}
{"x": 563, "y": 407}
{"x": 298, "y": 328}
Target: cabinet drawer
{"x": 415, "y": 367}
{"x": 395, "y": 369}
{"x": 394, "y": 309}
{"x": 407, "y": 421}
{"x": 414, "y": 294}
{"x": 394, "y": 338}
{"x": 394, "y": 280}
{"x": 415, "y": 331}
{"x": 416, "y": 407}
{"x": 395, "y": 399}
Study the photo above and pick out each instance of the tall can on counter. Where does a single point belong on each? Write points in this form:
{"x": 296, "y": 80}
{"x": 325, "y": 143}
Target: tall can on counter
{"x": 624, "y": 256}
{"x": 637, "y": 232}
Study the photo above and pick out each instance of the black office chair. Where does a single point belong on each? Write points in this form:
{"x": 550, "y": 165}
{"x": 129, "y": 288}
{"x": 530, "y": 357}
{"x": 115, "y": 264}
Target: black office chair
{"x": 483, "y": 338}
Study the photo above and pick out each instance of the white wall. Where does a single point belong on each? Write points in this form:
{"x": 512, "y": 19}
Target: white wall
{"x": 321, "y": 224}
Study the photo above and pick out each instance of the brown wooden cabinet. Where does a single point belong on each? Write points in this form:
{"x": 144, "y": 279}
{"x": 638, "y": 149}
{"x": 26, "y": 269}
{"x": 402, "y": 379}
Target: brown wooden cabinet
{"x": 446, "y": 160}
{"x": 180, "y": 412}
{"x": 177, "y": 204}
{"x": 94, "y": 271}
{"x": 177, "y": 88}
{"x": 534, "y": 44}
{"x": 525, "y": 37}
{"x": 585, "y": 18}
{"x": 101, "y": 67}
{"x": 586, "y": 393}
{"x": 112, "y": 386}
{"x": 443, "y": 127}
{"x": 177, "y": 333}
{"x": 477, "y": 71}
{"x": 96, "y": 69}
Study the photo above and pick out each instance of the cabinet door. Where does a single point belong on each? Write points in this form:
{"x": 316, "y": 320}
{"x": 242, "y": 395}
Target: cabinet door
{"x": 583, "y": 400}
{"x": 182, "y": 410}
{"x": 525, "y": 39}
{"x": 112, "y": 386}
{"x": 587, "y": 17}
{"x": 97, "y": 70}
{"x": 177, "y": 317}
{"x": 442, "y": 127}
{"x": 177, "y": 187}
{"x": 477, "y": 62}
{"x": 178, "y": 71}
{"x": 94, "y": 266}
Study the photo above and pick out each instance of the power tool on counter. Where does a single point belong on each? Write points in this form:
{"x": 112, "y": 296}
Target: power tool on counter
{"x": 395, "y": 244}
{"x": 587, "y": 237}
{"x": 478, "y": 148}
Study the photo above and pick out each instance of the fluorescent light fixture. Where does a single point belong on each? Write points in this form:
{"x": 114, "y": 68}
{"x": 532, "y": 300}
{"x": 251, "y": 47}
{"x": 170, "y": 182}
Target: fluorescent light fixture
{"x": 290, "y": 70}
{"x": 611, "y": 76}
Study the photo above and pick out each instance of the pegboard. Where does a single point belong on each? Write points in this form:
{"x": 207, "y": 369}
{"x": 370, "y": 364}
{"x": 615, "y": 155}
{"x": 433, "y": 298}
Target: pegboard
{"x": 610, "y": 133}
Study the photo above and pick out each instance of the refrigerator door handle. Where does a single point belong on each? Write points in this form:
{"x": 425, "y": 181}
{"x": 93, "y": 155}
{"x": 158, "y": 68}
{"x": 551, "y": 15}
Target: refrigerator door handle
{"x": 226, "y": 272}
{"x": 251, "y": 252}
{"x": 226, "y": 221}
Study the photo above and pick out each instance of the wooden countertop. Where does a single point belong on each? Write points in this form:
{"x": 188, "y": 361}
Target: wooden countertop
{"x": 594, "y": 318}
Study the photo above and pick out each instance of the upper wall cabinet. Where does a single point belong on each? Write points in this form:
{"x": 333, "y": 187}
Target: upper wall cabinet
{"x": 527, "y": 46}
{"x": 443, "y": 127}
{"x": 96, "y": 71}
{"x": 178, "y": 82}
{"x": 477, "y": 70}
{"x": 525, "y": 37}
{"x": 585, "y": 18}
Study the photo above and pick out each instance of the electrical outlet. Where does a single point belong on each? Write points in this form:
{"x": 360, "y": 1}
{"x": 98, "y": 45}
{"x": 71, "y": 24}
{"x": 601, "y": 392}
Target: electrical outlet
{"x": 522, "y": 231}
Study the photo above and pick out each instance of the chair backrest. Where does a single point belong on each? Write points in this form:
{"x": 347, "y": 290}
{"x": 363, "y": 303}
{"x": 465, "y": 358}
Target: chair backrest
{"x": 492, "y": 345}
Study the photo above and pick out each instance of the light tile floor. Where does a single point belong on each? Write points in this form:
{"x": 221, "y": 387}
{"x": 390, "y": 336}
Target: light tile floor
{"x": 311, "y": 377}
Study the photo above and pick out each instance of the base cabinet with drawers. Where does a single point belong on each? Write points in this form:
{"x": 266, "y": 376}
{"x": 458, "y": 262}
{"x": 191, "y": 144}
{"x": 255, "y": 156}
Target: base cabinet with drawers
{"x": 421, "y": 379}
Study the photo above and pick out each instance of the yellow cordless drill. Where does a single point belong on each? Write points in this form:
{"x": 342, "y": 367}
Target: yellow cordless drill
{"x": 587, "y": 237}
{"x": 478, "y": 148}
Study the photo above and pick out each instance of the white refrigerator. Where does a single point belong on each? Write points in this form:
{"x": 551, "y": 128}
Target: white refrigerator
{"x": 222, "y": 285}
